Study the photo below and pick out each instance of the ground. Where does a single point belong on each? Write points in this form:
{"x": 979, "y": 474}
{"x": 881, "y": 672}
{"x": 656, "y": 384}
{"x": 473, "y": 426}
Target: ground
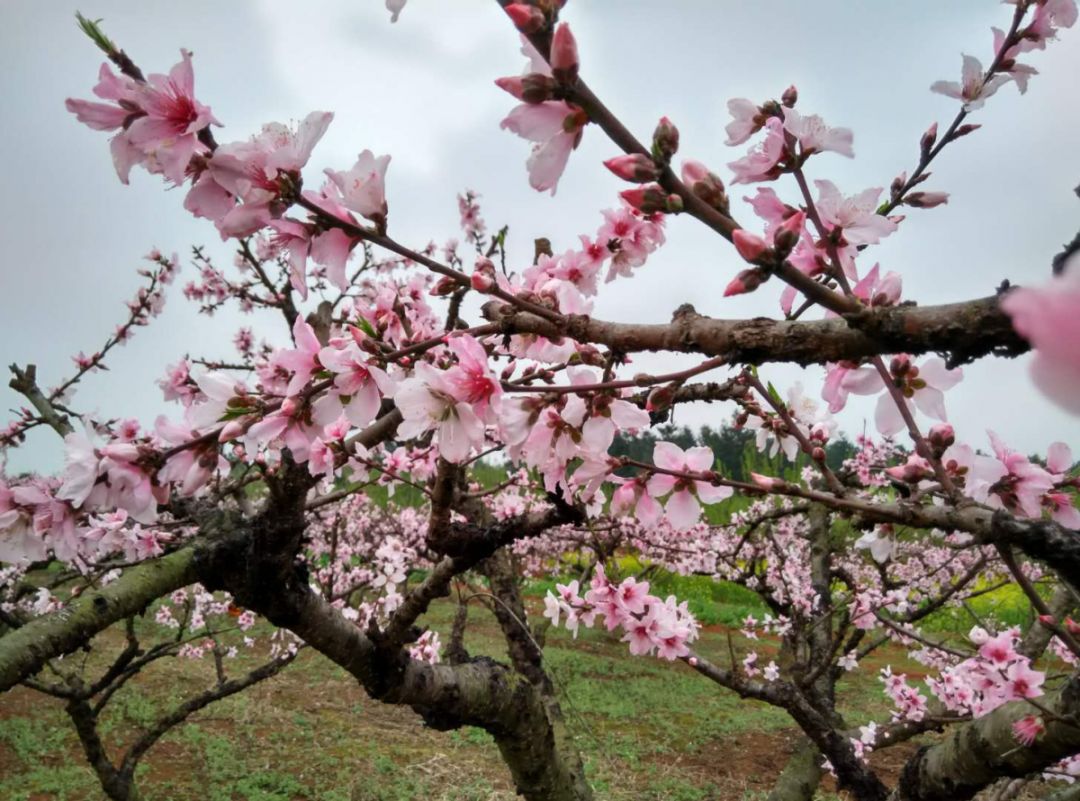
{"x": 648, "y": 729}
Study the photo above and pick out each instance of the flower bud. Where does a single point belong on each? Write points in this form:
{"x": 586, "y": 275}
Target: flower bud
{"x": 444, "y": 286}
{"x": 926, "y": 200}
{"x": 1046, "y": 620}
{"x": 766, "y": 482}
{"x": 1071, "y": 626}
{"x": 705, "y": 184}
{"x": 928, "y": 140}
{"x": 481, "y": 282}
{"x": 818, "y": 454}
{"x": 232, "y": 430}
{"x": 652, "y": 198}
{"x": 900, "y": 365}
{"x": 787, "y": 235}
{"x": 746, "y": 281}
{"x": 527, "y": 19}
{"x": 941, "y": 437}
{"x": 750, "y": 246}
{"x": 790, "y": 96}
{"x": 564, "y": 56}
{"x": 964, "y": 130}
{"x": 665, "y": 140}
{"x": 660, "y": 398}
{"x": 532, "y": 88}
{"x": 635, "y": 167}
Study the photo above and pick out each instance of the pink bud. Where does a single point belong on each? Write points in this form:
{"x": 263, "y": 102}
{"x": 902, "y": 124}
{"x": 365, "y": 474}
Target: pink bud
{"x": 746, "y": 281}
{"x": 694, "y": 171}
{"x": 652, "y": 198}
{"x": 900, "y": 365}
{"x": 750, "y": 246}
{"x": 1046, "y": 620}
{"x": 942, "y": 436}
{"x": 635, "y": 167}
{"x": 1071, "y": 626}
{"x": 790, "y": 96}
{"x": 928, "y": 139}
{"x": 787, "y": 235}
{"x": 665, "y": 140}
{"x": 231, "y": 430}
{"x": 481, "y": 282}
{"x": 692, "y": 661}
{"x": 766, "y": 482}
{"x": 564, "y": 55}
{"x": 926, "y": 200}
{"x": 705, "y": 185}
{"x": 527, "y": 19}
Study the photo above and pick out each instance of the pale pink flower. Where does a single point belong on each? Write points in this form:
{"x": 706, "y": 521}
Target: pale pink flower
{"x": 971, "y": 89}
{"x": 363, "y": 188}
{"x": 555, "y": 126}
{"x": 1049, "y": 318}
{"x": 747, "y": 120}
{"x": 359, "y": 386}
{"x": 856, "y": 215}
{"x": 427, "y": 402}
{"x": 247, "y": 179}
{"x": 682, "y": 508}
{"x": 760, "y": 164}
{"x": 815, "y": 136}
{"x": 923, "y": 387}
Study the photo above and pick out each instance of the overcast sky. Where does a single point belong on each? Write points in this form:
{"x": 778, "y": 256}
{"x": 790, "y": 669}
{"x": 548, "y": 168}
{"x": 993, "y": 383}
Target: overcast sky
{"x": 422, "y": 91}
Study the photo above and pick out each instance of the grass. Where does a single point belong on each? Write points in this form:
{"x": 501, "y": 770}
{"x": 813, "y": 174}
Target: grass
{"x": 647, "y": 729}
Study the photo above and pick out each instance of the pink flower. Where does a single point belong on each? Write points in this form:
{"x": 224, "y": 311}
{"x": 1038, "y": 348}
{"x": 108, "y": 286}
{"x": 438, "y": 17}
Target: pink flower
{"x": 1027, "y": 729}
{"x": 633, "y": 499}
{"x": 1049, "y": 318}
{"x": 921, "y": 386}
{"x": 876, "y": 290}
{"x": 168, "y": 132}
{"x": 427, "y": 402}
{"x": 747, "y": 120}
{"x": 472, "y": 379}
{"x": 363, "y": 187}
{"x": 1023, "y": 682}
{"x": 683, "y": 509}
{"x": 303, "y": 360}
{"x": 359, "y": 386}
{"x": 857, "y": 215}
{"x": 555, "y": 126}
{"x": 971, "y": 89}
{"x": 258, "y": 173}
{"x": 815, "y": 136}
{"x": 760, "y": 164}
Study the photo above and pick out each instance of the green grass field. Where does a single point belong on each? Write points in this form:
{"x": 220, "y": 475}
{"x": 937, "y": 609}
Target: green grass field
{"x": 648, "y": 729}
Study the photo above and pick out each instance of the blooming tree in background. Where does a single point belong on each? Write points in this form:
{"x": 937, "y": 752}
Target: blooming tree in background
{"x": 411, "y": 369}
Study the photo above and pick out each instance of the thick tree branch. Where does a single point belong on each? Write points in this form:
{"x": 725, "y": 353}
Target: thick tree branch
{"x": 962, "y": 332}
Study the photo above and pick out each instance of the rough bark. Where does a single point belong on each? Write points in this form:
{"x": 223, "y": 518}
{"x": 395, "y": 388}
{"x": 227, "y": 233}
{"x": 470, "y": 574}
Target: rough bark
{"x": 976, "y": 754}
{"x": 25, "y": 650}
{"x": 961, "y": 331}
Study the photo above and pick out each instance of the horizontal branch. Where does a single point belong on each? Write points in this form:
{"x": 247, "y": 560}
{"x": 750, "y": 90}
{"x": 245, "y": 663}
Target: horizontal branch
{"x": 962, "y": 332}
{"x": 25, "y": 650}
